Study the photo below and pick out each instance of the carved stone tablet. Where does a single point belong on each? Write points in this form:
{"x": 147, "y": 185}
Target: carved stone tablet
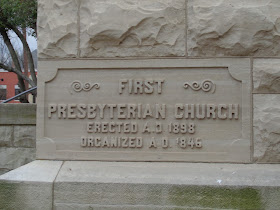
{"x": 145, "y": 110}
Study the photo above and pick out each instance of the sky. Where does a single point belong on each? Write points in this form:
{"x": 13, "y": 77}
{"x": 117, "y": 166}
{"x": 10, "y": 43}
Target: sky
{"x": 32, "y": 41}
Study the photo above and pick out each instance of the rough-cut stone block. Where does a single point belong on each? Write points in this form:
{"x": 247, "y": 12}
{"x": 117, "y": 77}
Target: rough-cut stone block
{"x": 119, "y": 28}
{"x": 6, "y": 133}
{"x": 17, "y": 114}
{"x": 233, "y": 28}
{"x": 25, "y": 136}
{"x": 266, "y": 75}
{"x": 29, "y": 187}
{"x": 57, "y": 28}
{"x": 12, "y": 158}
{"x": 267, "y": 128}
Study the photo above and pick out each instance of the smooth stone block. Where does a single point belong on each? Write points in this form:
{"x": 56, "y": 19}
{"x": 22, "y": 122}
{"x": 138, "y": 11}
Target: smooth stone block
{"x": 266, "y": 75}
{"x": 233, "y": 28}
{"x": 17, "y": 114}
{"x": 267, "y": 128}
{"x": 29, "y": 187}
{"x": 147, "y": 112}
{"x": 25, "y": 136}
{"x": 6, "y": 135}
{"x": 3, "y": 171}
{"x": 129, "y": 28}
{"x": 112, "y": 185}
{"x": 127, "y": 185}
{"x": 13, "y": 157}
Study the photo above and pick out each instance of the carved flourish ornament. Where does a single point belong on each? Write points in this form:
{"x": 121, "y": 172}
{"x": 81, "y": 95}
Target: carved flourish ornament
{"x": 77, "y": 86}
{"x": 206, "y": 85}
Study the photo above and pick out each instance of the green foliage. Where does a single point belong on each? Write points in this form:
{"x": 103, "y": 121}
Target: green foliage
{"x": 18, "y": 13}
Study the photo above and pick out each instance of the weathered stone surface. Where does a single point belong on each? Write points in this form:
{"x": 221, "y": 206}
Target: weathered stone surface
{"x": 233, "y": 28}
{"x": 118, "y": 28}
{"x": 12, "y": 158}
{"x": 266, "y": 75}
{"x": 3, "y": 171}
{"x": 57, "y": 28}
{"x": 126, "y": 185}
{"x": 68, "y": 138}
{"x": 17, "y": 114}
{"x": 25, "y": 136}
{"x": 29, "y": 187}
{"x": 6, "y": 133}
{"x": 171, "y": 197}
{"x": 267, "y": 128}
{"x": 115, "y": 185}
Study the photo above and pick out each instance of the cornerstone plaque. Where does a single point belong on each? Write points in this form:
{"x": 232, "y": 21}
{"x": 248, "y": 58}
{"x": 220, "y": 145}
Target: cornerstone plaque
{"x": 145, "y": 110}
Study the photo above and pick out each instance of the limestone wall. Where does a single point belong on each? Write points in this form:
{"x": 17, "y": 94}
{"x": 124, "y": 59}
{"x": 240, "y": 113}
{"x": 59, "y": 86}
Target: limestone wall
{"x": 17, "y": 135}
{"x": 86, "y": 29}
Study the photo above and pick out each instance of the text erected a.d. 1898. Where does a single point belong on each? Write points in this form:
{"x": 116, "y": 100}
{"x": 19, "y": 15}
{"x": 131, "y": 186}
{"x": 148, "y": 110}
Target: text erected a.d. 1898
{"x": 180, "y": 113}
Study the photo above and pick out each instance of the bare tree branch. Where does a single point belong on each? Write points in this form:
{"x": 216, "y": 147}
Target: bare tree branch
{"x": 13, "y": 54}
{"x": 29, "y": 54}
{"x": 15, "y": 60}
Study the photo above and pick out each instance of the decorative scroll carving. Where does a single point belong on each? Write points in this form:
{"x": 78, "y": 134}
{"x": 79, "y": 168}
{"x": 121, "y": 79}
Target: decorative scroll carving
{"x": 206, "y": 86}
{"x": 77, "y": 86}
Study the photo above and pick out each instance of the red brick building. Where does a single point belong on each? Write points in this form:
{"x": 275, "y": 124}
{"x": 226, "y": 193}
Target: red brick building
{"x": 8, "y": 86}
